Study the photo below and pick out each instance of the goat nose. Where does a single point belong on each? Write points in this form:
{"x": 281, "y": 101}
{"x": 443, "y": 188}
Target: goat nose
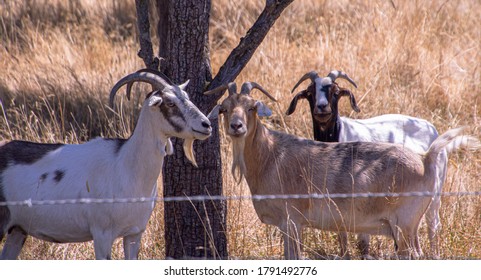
{"x": 206, "y": 124}
{"x": 236, "y": 125}
{"x": 322, "y": 106}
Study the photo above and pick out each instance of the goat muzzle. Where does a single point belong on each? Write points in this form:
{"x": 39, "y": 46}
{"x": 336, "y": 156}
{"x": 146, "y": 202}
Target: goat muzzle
{"x": 322, "y": 117}
{"x": 236, "y": 129}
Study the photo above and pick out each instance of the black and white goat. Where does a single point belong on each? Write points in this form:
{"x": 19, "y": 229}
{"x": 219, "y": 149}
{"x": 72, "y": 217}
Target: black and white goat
{"x": 323, "y": 95}
{"x": 276, "y": 163}
{"x": 98, "y": 169}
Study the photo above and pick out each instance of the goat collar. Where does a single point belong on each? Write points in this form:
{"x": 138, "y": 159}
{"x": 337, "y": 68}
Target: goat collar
{"x": 331, "y": 134}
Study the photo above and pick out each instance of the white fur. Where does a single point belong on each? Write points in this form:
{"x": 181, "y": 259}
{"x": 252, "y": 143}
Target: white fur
{"x": 416, "y": 134}
{"x": 96, "y": 169}
{"x": 321, "y": 97}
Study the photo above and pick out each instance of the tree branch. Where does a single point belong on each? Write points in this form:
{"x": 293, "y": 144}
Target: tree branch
{"x": 146, "y": 51}
{"x": 241, "y": 55}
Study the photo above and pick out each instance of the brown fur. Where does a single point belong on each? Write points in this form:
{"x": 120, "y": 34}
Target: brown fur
{"x": 279, "y": 163}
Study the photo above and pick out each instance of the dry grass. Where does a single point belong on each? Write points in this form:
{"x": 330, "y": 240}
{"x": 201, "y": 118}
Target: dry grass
{"x": 420, "y": 58}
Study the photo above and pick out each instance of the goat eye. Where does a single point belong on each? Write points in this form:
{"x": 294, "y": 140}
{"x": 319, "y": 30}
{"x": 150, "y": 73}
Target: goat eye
{"x": 222, "y": 110}
{"x": 170, "y": 104}
{"x": 252, "y": 109}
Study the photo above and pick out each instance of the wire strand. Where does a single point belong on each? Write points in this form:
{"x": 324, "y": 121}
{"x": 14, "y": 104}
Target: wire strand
{"x": 30, "y": 203}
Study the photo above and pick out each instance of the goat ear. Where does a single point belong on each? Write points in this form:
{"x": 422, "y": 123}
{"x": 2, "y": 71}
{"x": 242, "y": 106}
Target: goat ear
{"x": 293, "y": 105}
{"x": 214, "y": 113}
{"x": 184, "y": 85}
{"x": 155, "y": 100}
{"x": 263, "y": 110}
{"x": 346, "y": 92}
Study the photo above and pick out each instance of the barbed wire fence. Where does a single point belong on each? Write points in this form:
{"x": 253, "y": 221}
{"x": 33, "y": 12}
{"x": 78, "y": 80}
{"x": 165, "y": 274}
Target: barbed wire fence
{"x": 205, "y": 198}
{"x": 31, "y": 202}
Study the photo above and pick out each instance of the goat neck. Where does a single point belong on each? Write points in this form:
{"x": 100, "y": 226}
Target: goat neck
{"x": 144, "y": 151}
{"x": 327, "y": 132}
{"x": 259, "y": 148}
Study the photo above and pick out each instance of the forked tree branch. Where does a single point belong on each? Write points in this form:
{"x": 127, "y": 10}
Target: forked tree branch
{"x": 241, "y": 55}
{"x": 146, "y": 51}
{"x": 238, "y": 58}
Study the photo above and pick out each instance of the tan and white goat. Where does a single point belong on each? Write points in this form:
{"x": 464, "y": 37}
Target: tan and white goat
{"x": 276, "y": 163}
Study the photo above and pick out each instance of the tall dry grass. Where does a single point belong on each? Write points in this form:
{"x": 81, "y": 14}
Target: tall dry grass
{"x": 420, "y": 58}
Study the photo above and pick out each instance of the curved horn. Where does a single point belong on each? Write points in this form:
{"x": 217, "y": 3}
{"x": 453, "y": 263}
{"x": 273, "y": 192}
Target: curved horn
{"x": 311, "y": 75}
{"x": 156, "y": 72}
{"x": 334, "y": 74}
{"x": 150, "y": 78}
{"x": 232, "y": 87}
{"x": 248, "y": 86}
{"x": 216, "y": 90}
{"x": 148, "y": 70}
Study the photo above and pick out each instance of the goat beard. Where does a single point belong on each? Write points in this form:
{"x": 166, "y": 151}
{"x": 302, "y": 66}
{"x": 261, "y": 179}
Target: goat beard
{"x": 238, "y": 164}
{"x": 168, "y": 147}
{"x": 189, "y": 150}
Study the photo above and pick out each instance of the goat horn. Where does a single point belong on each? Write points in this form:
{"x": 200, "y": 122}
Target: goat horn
{"x": 311, "y": 75}
{"x": 232, "y": 87}
{"x": 248, "y": 86}
{"x": 153, "y": 79}
{"x": 339, "y": 74}
{"x": 216, "y": 90}
{"x": 156, "y": 72}
{"x": 148, "y": 70}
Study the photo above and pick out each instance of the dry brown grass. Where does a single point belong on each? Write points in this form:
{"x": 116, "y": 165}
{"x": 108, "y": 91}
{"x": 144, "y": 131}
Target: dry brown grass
{"x": 420, "y": 58}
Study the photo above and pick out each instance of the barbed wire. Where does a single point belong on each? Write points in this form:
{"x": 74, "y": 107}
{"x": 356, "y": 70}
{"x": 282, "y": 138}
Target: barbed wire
{"x": 30, "y": 202}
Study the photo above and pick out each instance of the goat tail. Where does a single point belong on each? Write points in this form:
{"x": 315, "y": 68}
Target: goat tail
{"x": 450, "y": 141}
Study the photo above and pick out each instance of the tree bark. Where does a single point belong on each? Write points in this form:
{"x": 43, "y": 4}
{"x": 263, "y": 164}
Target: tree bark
{"x": 143, "y": 23}
{"x": 192, "y": 229}
{"x": 196, "y": 229}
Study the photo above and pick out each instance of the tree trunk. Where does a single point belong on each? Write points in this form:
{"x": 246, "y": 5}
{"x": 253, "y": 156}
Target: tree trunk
{"x": 192, "y": 229}
{"x": 196, "y": 229}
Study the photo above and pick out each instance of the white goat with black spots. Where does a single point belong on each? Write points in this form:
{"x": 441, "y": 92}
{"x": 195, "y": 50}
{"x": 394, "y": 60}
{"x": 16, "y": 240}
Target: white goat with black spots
{"x": 323, "y": 95}
{"x": 98, "y": 169}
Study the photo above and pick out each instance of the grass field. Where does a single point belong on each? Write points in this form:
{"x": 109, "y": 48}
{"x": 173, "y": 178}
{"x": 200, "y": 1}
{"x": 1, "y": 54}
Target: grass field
{"x": 59, "y": 59}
